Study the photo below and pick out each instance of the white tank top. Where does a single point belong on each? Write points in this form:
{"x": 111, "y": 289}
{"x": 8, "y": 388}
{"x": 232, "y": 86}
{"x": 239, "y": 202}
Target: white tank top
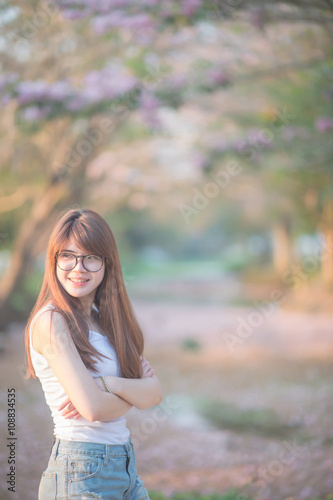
{"x": 81, "y": 429}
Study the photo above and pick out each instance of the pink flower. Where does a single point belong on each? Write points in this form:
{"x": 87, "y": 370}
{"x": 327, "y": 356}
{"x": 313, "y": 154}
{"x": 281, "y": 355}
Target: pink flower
{"x": 31, "y": 91}
{"x": 34, "y": 113}
{"x": 324, "y": 124}
{"x": 190, "y": 7}
{"x": 258, "y": 17}
{"x": 149, "y": 106}
{"x": 118, "y": 19}
{"x": 217, "y": 76}
{"x": 176, "y": 81}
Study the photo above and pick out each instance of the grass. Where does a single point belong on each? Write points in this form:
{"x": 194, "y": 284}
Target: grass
{"x": 263, "y": 421}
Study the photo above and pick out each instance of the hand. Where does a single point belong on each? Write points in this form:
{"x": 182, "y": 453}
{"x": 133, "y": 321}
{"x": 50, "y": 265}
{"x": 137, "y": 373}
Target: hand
{"x": 147, "y": 370}
{"x": 69, "y": 410}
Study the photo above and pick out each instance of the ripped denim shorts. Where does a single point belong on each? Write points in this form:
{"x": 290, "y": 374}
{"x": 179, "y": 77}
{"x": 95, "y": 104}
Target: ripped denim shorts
{"x": 83, "y": 470}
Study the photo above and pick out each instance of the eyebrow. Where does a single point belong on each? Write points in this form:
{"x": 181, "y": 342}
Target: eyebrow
{"x": 72, "y": 251}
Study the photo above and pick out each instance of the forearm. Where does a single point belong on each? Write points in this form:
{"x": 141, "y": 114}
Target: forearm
{"x": 109, "y": 406}
{"x": 141, "y": 393}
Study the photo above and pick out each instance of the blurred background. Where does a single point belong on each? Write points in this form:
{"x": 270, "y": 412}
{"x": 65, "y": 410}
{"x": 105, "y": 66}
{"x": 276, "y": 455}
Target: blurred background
{"x": 203, "y": 132}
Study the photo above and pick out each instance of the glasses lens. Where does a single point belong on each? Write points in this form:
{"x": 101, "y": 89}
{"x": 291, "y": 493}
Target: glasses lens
{"x": 92, "y": 263}
{"x": 66, "y": 261}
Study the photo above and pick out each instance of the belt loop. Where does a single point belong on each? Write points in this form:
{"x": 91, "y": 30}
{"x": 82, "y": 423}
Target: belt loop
{"x": 55, "y": 448}
{"x": 107, "y": 454}
{"x": 129, "y": 446}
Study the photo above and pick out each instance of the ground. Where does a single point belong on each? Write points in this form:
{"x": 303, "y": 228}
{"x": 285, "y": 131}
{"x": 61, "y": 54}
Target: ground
{"x": 247, "y": 407}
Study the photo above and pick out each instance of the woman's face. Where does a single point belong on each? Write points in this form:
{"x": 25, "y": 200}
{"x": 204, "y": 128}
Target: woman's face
{"x": 79, "y": 282}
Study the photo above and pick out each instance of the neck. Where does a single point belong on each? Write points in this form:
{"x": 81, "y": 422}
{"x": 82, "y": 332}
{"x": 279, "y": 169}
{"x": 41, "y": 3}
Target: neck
{"x": 86, "y": 304}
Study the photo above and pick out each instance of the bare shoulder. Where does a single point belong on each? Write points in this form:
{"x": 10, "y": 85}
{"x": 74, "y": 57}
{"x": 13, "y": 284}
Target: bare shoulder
{"x": 50, "y": 331}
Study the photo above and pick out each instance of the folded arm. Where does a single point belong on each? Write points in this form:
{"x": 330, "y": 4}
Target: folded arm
{"x": 86, "y": 395}
{"x": 53, "y": 340}
{"x": 140, "y": 392}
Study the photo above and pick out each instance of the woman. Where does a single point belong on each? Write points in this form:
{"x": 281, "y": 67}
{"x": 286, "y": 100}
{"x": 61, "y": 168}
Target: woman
{"x": 85, "y": 345}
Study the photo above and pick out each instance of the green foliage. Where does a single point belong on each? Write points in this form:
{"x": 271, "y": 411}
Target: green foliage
{"x": 22, "y": 300}
{"x": 190, "y": 344}
{"x": 259, "y": 421}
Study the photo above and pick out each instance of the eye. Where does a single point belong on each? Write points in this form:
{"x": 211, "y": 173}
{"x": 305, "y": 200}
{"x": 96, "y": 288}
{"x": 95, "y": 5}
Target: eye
{"x": 93, "y": 258}
{"x": 66, "y": 256}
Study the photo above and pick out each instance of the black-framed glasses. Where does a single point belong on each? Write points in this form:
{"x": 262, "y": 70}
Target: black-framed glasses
{"x": 67, "y": 261}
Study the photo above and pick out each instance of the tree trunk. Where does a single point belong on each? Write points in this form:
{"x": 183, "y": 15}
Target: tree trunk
{"x": 327, "y": 253}
{"x": 281, "y": 247}
{"x": 23, "y": 251}
{"x": 63, "y": 190}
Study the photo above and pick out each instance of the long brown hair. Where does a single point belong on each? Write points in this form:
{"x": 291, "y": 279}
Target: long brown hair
{"x": 114, "y": 313}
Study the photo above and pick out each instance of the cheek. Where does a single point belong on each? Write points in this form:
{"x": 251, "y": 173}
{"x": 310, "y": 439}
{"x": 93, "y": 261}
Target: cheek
{"x": 60, "y": 275}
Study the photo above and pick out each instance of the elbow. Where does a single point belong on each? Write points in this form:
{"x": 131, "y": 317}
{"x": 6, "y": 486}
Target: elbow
{"x": 159, "y": 397}
{"x": 91, "y": 413}
{"x": 153, "y": 401}
{"x": 94, "y": 416}
{"x": 91, "y": 417}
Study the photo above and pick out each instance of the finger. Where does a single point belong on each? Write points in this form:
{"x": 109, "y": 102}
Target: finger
{"x": 65, "y": 412}
{"x": 64, "y": 403}
{"x": 71, "y": 414}
{"x": 68, "y": 409}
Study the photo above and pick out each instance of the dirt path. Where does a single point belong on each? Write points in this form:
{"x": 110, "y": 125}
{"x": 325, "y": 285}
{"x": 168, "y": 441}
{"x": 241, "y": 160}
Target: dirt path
{"x": 284, "y": 364}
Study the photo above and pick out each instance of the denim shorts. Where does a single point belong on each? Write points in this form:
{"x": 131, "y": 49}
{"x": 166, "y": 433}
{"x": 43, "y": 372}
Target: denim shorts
{"x": 82, "y": 470}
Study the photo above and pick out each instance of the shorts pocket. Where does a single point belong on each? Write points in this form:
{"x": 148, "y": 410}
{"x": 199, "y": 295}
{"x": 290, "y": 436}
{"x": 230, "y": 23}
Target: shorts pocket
{"x": 48, "y": 486}
{"x": 80, "y": 469}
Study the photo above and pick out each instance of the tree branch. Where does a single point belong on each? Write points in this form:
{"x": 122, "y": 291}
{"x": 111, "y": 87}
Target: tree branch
{"x": 16, "y": 200}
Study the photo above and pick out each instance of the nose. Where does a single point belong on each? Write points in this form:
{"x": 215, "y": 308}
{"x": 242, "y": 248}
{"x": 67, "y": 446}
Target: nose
{"x": 79, "y": 265}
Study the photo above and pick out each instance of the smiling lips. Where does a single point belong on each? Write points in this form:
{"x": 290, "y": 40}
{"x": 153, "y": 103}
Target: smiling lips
{"x": 78, "y": 280}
